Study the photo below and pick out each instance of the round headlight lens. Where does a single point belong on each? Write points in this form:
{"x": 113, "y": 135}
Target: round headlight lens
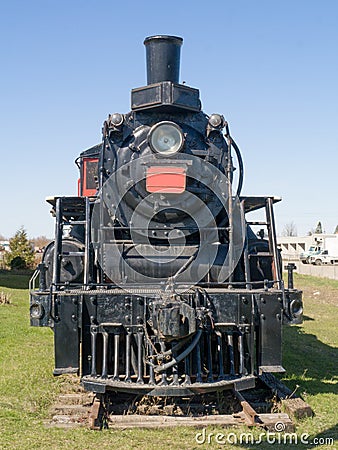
{"x": 36, "y": 311}
{"x": 296, "y": 307}
{"x": 216, "y": 120}
{"x": 116, "y": 119}
{"x": 166, "y": 138}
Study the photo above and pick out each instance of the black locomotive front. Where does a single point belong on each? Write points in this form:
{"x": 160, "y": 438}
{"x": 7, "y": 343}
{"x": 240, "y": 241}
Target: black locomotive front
{"x": 156, "y": 282}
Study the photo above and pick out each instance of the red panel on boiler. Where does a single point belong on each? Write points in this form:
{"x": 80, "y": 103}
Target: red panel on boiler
{"x": 167, "y": 180}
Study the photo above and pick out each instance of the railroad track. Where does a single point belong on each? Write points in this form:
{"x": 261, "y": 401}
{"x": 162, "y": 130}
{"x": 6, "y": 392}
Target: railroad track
{"x": 259, "y": 407}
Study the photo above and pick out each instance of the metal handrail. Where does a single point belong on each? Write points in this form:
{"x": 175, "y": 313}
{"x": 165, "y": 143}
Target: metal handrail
{"x": 32, "y": 280}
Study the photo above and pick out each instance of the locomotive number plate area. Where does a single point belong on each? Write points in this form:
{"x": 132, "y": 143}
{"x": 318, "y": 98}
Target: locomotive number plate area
{"x": 112, "y": 309}
{"x": 231, "y": 309}
{"x": 166, "y": 180}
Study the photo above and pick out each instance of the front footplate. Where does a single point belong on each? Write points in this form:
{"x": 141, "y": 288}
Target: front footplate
{"x": 100, "y": 385}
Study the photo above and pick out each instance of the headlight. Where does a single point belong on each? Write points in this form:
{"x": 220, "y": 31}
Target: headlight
{"x": 296, "y": 307}
{"x": 216, "y": 121}
{"x": 166, "y": 138}
{"x": 37, "y": 311}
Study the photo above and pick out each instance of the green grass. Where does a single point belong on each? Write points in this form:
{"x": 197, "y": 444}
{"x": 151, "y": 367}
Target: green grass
{"x": 27, "y": 387}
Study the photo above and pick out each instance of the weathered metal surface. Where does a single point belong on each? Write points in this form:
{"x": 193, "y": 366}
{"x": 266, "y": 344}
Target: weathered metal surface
{"x": 103, "y": 385}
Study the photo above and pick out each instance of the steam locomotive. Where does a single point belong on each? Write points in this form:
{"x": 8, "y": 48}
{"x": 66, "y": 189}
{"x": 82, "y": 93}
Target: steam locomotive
{"x": 156, "y": 282}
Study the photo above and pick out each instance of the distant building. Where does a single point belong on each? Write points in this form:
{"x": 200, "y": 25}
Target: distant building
{"x": 4, "y": 247}
{"x": 293, "y": 246}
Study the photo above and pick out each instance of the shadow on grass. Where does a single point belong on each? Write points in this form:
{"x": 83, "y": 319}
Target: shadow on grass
{"x": 311, "y": 369}
{"x": 310, "y": 364}
{"x": 15, "y": 280}
{"x": 306, "y": 318}
{"x": 326, "y": 437}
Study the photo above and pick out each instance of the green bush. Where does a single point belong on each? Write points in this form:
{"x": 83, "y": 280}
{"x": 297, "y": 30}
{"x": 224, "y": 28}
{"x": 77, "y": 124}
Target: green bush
{"x": 21, "y": 254}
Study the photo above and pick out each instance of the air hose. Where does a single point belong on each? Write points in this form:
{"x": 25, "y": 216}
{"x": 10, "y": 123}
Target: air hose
{"x": 186, "y": 352}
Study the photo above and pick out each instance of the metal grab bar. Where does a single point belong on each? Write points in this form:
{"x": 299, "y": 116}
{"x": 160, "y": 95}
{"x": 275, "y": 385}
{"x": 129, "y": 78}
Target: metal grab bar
{"x": 32, "y": 281}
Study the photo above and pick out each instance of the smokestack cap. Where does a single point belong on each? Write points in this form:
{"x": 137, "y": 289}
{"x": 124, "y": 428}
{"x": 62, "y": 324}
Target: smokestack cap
{"x": 163, "y": 58}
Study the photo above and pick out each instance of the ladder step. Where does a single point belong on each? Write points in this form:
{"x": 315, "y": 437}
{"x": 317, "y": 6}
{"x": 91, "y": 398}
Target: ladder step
{"x": 75, "y": 222}
{"x": 72, "y": 254}
{"x": 257, "y": 223}
{"x": 261, "y": 254}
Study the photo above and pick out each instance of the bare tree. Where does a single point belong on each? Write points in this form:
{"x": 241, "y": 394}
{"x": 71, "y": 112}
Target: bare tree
{"x": 41, "y": 241}
{"x": 289, "y": 229}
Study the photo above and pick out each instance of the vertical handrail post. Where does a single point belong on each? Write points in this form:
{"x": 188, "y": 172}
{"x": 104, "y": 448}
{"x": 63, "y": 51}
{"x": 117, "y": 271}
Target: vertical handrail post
{"x": 58, "y": 243}
{"x": 273, "y": 240}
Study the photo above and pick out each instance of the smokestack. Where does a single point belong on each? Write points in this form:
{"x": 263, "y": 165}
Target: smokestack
{"x": 163, "y": 58}
{"x": 163, "y": 91}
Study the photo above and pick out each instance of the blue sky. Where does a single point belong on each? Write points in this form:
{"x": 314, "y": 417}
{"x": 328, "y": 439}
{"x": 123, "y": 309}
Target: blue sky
{"x": 269, "y": 66}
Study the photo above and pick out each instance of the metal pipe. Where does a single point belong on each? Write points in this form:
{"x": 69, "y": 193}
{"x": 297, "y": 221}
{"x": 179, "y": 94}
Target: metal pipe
{"x": 187, "y": 365}
{"x": 58, "y": 243}
{"x": 164, "y": 381}
{"x": 175, "y": 375}
{"x": 290, "y": 268}
{"x": 174, "y": 348}
{"x": 100, "y": 233}
{"x": 231, "y": 353}
{"x": 175, "y": 370}
{"x": 87, "y": 243}
{"x": 241, "y": 354}
{"x": 163, "y": 58}
{"x": 248, "y": 285}
{"x": 273, "y": 241}
{"x": 139, "y": 357}
{"x": 182, "y": 355}
{"x": 198, "y": 364}
{"x": 165, "y": 228}
{"x": 93, "y": 332}
{"x": 105, "y": 354}
{"x": 185, "y": 265}
{"x": 210, "y": 377}
{"x": 252, "y": 335}
{"x": 241, "y": 167}
{"x": 151, "y": 368}
{"x": 116, "y": 357}
{"x": 229, "y": 175}
{"x": 128, "y": 344}
{"x": 221, "y": 374}
{"x": 42, "y": 279}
